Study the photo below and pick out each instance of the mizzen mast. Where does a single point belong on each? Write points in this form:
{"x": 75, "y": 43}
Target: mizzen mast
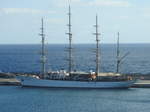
{"x": 97, "y": 46}
{"x": 119, "y": 58}
{"x": 118, "y": 53}
{"x": 43, "y": 54}
{"x": 70, "y": 42}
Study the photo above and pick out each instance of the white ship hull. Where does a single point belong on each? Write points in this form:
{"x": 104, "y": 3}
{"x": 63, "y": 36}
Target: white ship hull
{"x": 34, "y": 82}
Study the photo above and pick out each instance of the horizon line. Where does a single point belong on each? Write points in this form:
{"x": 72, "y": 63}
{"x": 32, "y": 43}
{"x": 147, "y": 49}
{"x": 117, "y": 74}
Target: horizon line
{"x": 64, "y": 43}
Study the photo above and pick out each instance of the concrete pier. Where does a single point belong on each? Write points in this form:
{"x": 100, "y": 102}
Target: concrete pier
{"x": 9, "y": 81}
{"x": 142, "y": 84}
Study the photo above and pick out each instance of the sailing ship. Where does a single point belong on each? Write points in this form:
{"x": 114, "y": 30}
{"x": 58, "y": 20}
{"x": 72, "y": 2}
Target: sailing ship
{"x": 75, "y": 79}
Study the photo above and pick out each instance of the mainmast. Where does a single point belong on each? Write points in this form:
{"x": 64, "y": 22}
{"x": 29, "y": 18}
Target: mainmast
{"x": 118, "y": 53}
{"x": 43, "y": 54}
{"x": 97, "y": 47}
{"x": 70, "y": 42}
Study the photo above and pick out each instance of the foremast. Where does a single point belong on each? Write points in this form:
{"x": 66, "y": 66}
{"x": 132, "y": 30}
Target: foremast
{"x": 97, "y": 47}
{"x": 70, "y": 60}
{"x": 43, "y": 53}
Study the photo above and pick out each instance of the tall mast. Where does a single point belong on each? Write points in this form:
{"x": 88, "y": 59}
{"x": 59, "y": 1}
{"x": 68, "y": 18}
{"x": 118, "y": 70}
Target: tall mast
{"x": 120, "y": 58}
{"x": 97, "y": 47}
{"x": 70, "y": 42}
{"x": 118, "y": 53}
{"x": 43, "y": 54}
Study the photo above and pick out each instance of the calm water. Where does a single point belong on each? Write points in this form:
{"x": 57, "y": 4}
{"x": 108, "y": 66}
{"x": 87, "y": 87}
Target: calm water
{"x": 17, "y": 99}
{"x": 25, "y": 58}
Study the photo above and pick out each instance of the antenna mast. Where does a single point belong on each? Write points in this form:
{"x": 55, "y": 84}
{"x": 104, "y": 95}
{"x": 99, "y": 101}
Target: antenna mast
{"x": 70, "y": 42}
{"x": 97, "y": 47}
{"x": 43, "y": 57}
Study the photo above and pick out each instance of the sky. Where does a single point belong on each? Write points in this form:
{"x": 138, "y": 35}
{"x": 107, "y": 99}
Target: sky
{"x": 20, "y": 21}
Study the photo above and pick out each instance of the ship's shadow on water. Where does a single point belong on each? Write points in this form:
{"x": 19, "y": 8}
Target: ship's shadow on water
{"x": 75, "y": 89}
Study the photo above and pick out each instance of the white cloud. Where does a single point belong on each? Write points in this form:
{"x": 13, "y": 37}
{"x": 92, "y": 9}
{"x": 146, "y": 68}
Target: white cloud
{"x": 145, "y": 12}
{"x": 124, "y": 17}
{"x": 23, "y": 10}
{"x": 109, "y": 3}
{"x": 75, "y": 0}
{"x": 112, "y": 3}
{"x": 62, "y": 3}
{"x": 54, "y": 20}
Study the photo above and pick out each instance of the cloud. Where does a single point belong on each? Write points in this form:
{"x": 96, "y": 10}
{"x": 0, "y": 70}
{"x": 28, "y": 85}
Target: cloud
{"x": 112, "y": 3}
{"x": 75, "y": 0}
{"x": 109, "y": 3}
{"x": 54, "y": 20}
{"x": 124, "y": 17}
{"x": 145, "y": 12}
{"x": 23, "y": 10}
{"x": 62, "y": 3}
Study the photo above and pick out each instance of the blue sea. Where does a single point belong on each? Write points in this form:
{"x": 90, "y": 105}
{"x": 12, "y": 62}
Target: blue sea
{"x": 26, "y": 59}
{"x": 18, "y": 99}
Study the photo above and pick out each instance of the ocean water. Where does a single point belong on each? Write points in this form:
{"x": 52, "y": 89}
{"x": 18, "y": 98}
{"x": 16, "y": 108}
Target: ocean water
{"x": 18, "y": 99}
{"x": 26, "y": 58}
